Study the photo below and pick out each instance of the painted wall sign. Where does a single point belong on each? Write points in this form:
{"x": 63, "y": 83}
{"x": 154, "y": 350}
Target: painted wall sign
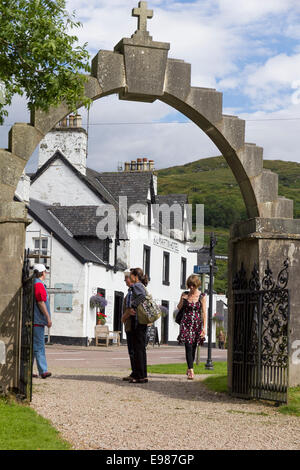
{"x": 166, "y": 244}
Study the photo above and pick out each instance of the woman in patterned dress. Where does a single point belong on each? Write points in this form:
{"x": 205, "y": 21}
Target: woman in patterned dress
{"x": 193, "y": 322}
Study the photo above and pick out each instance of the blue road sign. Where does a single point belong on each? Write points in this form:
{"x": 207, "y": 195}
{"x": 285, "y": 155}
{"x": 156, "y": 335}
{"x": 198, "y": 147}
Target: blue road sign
{"x": 203, "y": 269}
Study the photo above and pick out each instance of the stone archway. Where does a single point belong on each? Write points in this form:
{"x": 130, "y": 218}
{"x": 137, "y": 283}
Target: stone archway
{"x": 139, "y": 70}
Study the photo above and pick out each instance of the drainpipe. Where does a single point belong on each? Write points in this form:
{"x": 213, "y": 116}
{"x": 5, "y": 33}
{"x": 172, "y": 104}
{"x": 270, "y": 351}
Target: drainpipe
{"x": 87, "y": 299}
{"x": 117, "y": 243}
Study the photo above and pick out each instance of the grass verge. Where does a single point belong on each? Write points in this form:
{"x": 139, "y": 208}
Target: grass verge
{"x": 217, "y": 383}
{"x": 180, "y": 369}
{"x": 293, "y": 406}
{"x": 21, "y": 428}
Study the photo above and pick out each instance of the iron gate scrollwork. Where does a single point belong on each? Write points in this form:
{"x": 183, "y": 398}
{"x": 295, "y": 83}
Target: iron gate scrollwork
{"x": 261, "y": 335}
{"x": 26, "y": 355}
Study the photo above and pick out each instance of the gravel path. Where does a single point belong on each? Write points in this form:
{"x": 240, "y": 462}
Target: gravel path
{"x": 100, "y": 411}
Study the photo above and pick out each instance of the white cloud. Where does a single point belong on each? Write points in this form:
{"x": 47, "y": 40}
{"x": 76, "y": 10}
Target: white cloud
{"x": 275, "y": 84}
{"x": 248, "y": 11}
{"x": 281, "y": 71}
{"x": 276, "y": 132}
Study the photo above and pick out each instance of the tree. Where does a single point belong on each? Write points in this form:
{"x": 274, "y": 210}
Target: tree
{"x": 38, "y": 57}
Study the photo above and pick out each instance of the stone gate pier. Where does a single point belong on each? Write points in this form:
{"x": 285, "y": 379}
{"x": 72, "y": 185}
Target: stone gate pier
{"x": 268, "y": 243}
{"x": 13, "y": 222}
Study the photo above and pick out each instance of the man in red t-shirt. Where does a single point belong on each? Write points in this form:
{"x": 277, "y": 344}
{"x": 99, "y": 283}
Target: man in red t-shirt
{"x": 42, "y": 318}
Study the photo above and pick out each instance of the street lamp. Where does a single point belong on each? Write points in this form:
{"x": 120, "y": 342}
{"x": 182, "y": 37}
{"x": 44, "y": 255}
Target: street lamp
{"x": 213, "y": 242}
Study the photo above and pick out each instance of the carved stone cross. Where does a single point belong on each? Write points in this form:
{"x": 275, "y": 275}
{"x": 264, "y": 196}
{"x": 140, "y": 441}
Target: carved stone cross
{"x": 142, "y": 14}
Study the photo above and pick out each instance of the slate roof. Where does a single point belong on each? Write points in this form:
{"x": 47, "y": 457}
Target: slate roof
{"x": 82, "y": 221}
{"x": 171, "y": 199}
{"x": 42, "y": 213}
{"x": 134, "y": 185}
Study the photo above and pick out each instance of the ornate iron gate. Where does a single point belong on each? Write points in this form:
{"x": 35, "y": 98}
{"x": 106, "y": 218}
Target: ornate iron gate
{"x": 26, "y": 357}
{"x": 261, "y": 335}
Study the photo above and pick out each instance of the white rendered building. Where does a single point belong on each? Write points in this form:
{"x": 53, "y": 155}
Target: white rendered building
{"x": 65, "y": 196}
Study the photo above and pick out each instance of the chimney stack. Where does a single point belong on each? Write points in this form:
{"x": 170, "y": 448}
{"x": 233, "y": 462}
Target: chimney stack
{"x": 141, "y": 164}
{"x": 70, "y": 140}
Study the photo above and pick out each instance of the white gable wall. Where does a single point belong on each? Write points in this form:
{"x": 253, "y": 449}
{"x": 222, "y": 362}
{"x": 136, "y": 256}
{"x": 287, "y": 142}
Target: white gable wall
{"x": 59, "y": 185}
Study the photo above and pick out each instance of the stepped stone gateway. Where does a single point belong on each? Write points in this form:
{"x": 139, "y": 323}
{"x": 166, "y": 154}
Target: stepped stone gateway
{"x": 139, "y": 69}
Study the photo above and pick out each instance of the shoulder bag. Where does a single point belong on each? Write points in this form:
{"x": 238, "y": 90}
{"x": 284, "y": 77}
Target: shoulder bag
{"x": 148, "y": 311}
{"x": 180, "y": 313}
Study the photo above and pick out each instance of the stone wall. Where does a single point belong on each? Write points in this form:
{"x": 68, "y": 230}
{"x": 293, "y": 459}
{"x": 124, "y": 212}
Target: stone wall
{"x": 13, "y": 222}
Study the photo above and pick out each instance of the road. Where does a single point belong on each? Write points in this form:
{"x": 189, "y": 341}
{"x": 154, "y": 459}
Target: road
{"x": 116, "y": 357}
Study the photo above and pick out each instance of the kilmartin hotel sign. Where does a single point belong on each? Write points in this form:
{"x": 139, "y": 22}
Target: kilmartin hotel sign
{"x": 166, "y": 244}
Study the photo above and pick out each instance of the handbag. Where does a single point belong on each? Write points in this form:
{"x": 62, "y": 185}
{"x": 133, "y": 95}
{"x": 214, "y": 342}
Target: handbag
{"x": 180, "y": 313}
{"x": 179, "y": 316}
{"x": 148, "y": 311}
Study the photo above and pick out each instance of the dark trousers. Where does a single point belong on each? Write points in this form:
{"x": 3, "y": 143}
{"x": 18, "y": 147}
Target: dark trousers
{"x": 130, "y": 349}
{"x": 138, "y": 335}
{"x": 190, "y": 353}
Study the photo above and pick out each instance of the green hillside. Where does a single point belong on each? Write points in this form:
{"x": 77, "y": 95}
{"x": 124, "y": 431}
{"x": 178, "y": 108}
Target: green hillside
{"x": 210, "y": 181}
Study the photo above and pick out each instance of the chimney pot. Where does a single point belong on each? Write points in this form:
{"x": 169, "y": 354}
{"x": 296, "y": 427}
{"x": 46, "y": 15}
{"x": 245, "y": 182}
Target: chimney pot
{"x": 139, "y": 164}
{"x": 151, "y": 165}
{"x": 77, "y": 121}
{"x": 71, "y": 120}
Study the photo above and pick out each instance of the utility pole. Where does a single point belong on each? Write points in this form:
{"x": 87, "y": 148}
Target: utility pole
{"x": 213, "y": 242}
{"x": 203, "y": 278}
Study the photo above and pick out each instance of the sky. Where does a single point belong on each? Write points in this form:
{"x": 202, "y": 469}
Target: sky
{"x": 247, "y": 49}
